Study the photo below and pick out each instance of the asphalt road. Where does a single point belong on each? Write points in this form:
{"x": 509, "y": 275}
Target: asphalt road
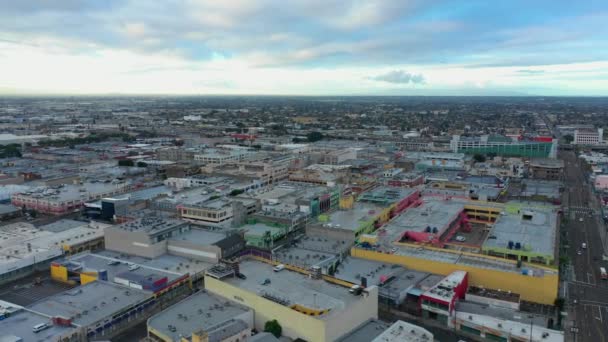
{"x": 585, "y": 291}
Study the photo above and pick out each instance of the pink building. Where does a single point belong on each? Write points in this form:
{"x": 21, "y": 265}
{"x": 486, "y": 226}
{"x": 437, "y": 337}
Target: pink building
{"x": 601, "y": 182}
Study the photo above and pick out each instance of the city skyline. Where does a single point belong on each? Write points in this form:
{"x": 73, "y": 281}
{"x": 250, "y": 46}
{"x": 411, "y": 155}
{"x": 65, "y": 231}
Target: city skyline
{"x": 304, "y": 48}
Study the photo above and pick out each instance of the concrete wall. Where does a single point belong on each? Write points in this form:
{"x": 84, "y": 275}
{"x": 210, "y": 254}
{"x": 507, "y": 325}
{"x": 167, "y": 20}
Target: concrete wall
{"x": 535, "y": 289}
{"x": 208, "y": 253}
{"x": 136, "y": 243}
{"x": 333, "y": 233}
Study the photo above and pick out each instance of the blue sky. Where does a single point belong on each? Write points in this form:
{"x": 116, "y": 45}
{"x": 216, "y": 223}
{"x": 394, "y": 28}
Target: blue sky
{"x": 316, "y": 47}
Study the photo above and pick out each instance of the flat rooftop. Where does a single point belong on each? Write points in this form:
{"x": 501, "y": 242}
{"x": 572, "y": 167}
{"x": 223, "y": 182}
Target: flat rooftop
{"x": 203, "y": 311}
{"x": 293, "y": 288}
{"x": 71, "y": 192}
{"x": 385, "y": 195}
{"x": 434, "y": 212}
{"x": 512, "y": 321}
{"x": 61, "y": 225}
{"x": 151, "y": 224}
{"x": 352, "y": 269}
{"x": 200, "y": 236}
{"x": 20, "y": 324}
{"x": 444, "y": 290}
{"x": 304, "y": 258}
{"x": 351, "y": 219}
{"x": 402, "y": 331}
{"x": 533, "y": 229}
{"x": 366, "y": 332}
{"x": 166, "y": 265}
{"x": 90, "y": 303}
{"x": 464, "y": 259}
{"x": 535, "y": 187}
{"x": 258, "y": 229}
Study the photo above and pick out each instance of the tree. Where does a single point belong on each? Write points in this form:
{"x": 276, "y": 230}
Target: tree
{"x": 314, "y": 136}
{"x": 568, "y": 138}
{"x": 236, "y": 192}
{"x": 142, "y": 164}
{"x": 479, "y": 158}
{"x": 274, "y": 328}
{"x": 126, "y": 162}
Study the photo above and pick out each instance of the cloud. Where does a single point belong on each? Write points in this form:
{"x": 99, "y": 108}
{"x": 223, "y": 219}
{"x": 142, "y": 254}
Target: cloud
{"x": 531, "y": 71}
{"x": 399, "y": 77}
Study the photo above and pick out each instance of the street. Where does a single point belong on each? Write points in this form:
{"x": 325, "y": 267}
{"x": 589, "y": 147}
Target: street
{"x": 585, "y": 292}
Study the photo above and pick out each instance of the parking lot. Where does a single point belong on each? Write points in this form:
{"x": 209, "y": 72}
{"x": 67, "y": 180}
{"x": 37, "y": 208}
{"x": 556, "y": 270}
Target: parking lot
{"x": 25, "y": 291}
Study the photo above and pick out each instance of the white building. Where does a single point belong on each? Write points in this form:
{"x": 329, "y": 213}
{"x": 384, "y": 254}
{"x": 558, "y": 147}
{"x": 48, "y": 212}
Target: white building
{"x": 588, "y": 136}
{"x": 402, "y": 331}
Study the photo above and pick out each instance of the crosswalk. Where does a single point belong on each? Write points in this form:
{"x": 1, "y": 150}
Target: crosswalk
{"x": 581, "y": 210}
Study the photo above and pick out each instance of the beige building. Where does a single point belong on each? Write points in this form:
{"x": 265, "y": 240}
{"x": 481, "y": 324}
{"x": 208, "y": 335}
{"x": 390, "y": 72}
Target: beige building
{"x": 305, "y": 307}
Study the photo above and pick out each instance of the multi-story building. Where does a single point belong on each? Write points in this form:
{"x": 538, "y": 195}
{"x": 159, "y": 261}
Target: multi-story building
{"x": 202, "y": 317}
{"x": 25, "y": 249}
{"x": 439, "y": 302}
{"x": 549, "y": 169}
{"x": 176, "y": 154}
{"x": 588, "y": 136}
{"x": 502, "y": 146}
{"x": 66, "y": 198}
{"x": 306, "y": 305}
{"x": 214, "y": 212}
{"x": 223, "y": 156}
{"x": 152, "y": 237}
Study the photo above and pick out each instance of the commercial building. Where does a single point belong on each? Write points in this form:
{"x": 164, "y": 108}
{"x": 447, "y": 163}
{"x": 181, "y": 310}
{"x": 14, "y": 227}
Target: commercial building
{"x": 65, "y": 198}
{"x": 24, "y": 248}
{"x": 527, "y": 235}
{"x": 371, "y": 210}
{"x": 17, "y": 325}
{"x": 439, "y": 302}
{"x": 379, "y": 331}
{"x": 222, "y": 156}
{"x": 405, "y": 180}
{"x": 433, "y": 221}
{"x": 298, "y": 197}
{"x": 217, "y": 211}
{"x": 548, "y": 169}
{"x": 402, "y": 331}
{"x": 263, "y": 171}
{"x": 503, "y": 146}
{"x": 152, "y": 237}
{"x": 588, "y": 136}
{"x": 202, "y": 317}
{"x": 98, "y": 308}
{"x": 494, "y": 323}
{"x": 305, "y": 306}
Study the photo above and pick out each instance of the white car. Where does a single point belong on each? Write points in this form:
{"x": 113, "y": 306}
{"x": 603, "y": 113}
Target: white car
{"x": 580, "y": 219}
{"x": 460, "y": 238}
{"x": 133, "y": 267}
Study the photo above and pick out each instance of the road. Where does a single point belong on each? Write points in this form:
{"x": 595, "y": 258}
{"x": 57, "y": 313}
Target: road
{"x": 586, "y": 292}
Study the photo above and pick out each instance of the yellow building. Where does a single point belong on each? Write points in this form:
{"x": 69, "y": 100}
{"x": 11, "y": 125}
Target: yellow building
{"x": 307, "y": 308}
{"x": 538, "y": 284}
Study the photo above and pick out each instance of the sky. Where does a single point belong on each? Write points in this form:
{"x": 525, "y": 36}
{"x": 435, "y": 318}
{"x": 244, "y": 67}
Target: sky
{"x": 305, "y": 47}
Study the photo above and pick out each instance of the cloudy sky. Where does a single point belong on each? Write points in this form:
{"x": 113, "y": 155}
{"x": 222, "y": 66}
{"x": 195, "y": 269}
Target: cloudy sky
{"x": 305, "y": 47}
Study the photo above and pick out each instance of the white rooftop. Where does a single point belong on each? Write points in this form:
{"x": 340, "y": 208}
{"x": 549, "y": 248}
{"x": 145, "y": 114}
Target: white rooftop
{"x": 402, "y": 331}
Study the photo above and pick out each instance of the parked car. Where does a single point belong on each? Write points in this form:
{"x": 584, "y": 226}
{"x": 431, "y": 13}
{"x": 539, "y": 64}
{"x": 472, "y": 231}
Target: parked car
{"x": 265, "y": 282}
{"x": 460, "y": 238}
